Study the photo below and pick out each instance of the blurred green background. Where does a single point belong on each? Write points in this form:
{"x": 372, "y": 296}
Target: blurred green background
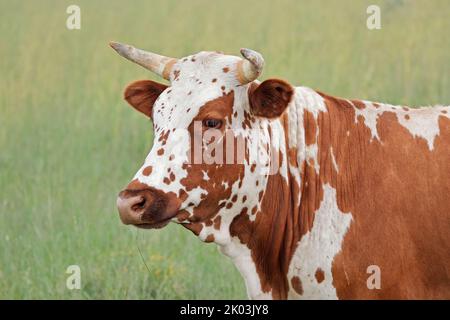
{"x": 69, "y": 143}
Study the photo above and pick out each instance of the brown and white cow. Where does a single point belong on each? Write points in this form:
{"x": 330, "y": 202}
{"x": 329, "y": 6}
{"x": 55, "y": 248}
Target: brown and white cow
{"x": 358, "y": 189}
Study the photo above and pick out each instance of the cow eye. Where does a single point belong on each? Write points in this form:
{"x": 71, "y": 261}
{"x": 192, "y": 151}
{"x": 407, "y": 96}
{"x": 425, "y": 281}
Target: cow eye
{"x": 212, "y": 123}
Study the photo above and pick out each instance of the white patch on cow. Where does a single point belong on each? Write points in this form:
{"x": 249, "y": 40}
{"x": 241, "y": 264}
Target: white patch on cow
{"x": 311, "y": 152}
{"x": 206, "y": 231}
{"x": 370, "y": 116}
{"x": 422, "y": 122}
{"x": 296, "y": 139}
{"x": 242, "y": 259}
{"x": 310, "y": 100}
{"x": 333, "y": 160}
{"x": 294, "y": 116}
{"x": 177, "y": 144}
{"x": 278, "y": 143}
{"x": 318, "y": 247}
{"x": 252, "y": 217}
{"x": 225, "y": 184}
{"x": 194, "y": 196}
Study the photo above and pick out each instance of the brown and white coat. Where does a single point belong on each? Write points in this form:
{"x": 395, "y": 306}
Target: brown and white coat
{"x": 325, "y": 188}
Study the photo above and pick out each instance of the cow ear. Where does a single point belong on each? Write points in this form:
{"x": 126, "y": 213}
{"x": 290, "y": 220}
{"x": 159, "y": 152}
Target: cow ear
{"x": 142, "y": 94}
{"x": 270, "y": 98}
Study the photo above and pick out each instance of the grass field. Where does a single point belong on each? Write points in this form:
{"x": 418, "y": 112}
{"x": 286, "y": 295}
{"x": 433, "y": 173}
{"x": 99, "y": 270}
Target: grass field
{"x": 68, "y": 143}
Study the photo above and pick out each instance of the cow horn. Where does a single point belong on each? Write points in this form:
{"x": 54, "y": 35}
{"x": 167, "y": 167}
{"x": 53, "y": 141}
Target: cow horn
{"x": 160, "y": 65}
{"x": 249, "y": 68}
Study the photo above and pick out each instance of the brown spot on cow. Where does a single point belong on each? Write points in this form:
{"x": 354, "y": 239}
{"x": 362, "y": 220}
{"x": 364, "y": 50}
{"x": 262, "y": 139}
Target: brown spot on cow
{"x": 297, "y": 285}
{"x": 292, "y": 155}
{"x": 182, "y": 194}
{"x": 358, "y": 104}
{"x": 226, "y": 69}
{"x": 147, "y": 171}
{"x": 217, "y": 221}
{"x": 176, "y": 74}
{"x": 209, "y": 238}
{"x": 319, "y": 275}
{"x": 196, "y": 228}
{"x": 164, "y": 136}
{"x": 310, "y": 126}
{"x": 182, "y": 216}
{"x": 160, "y": 152}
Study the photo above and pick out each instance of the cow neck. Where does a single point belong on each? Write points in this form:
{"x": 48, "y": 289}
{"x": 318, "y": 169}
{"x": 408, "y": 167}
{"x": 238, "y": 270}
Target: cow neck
{"x": 291, "y": 197}
{"x": 278, "y": 225}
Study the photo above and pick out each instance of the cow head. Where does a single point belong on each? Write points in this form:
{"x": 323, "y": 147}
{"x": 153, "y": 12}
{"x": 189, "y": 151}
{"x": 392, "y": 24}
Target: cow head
{"x": 214, "y": 137}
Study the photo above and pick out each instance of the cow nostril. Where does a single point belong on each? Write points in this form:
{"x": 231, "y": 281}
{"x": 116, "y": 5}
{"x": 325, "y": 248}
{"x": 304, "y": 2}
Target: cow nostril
{"x": 139, "y": 205}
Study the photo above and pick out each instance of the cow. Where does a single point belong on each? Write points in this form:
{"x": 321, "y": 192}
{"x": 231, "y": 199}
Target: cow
{"x": 331, "y": 198}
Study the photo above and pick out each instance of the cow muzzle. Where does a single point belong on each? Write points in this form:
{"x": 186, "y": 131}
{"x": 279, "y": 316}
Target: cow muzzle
{"x": 147, "y": 208}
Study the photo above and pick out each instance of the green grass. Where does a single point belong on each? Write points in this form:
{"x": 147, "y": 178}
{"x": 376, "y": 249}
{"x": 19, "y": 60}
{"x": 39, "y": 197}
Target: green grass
{"x": 68, "y": 143}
